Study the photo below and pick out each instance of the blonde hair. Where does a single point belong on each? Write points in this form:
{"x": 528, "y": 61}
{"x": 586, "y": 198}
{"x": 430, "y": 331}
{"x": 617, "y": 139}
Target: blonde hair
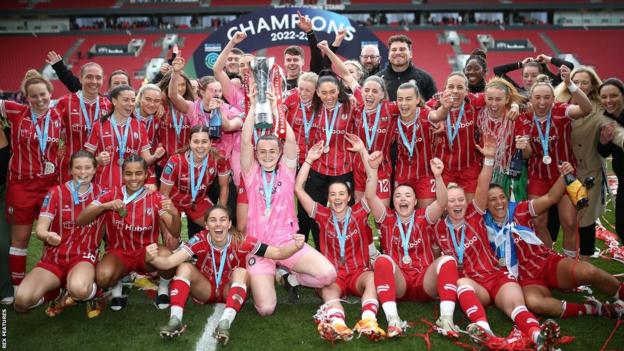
{"x": 458, "y": 74}
{"x": 378, "y": 80}
{"x": 510, "y": 91}
{"x": 142, "y": 91}
{"x": 94, "y": 64}
{"x": 562, "y": 93}
{"x": 358, "y": 67}
{"x": 543, "y": 80}
{"x": 33, "y": 77}
{"x": 308, "y": 77}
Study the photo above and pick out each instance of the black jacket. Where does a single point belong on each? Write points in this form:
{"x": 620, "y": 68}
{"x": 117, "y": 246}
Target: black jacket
{"x": 616, "y": 151}
{"x": 502, "y": 70}
{"x": 393, "y": 79}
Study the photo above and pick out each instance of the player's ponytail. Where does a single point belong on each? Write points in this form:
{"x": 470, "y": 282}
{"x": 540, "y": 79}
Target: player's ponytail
{"x": 32, "y": 77}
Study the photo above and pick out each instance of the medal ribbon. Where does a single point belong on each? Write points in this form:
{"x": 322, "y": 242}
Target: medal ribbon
{"x": 268, "y": 188}
{"x": 405, "y": 237}
{"x": 177, "y": 123}
{"x": 122, "y": 142}
{"x": 373, "y": 133}
{"x": 329, "y": 129}
{"x": 543, "y": 136}
{"x": 148, "y": 120}
{"x": 219, "y": 273}
{"x": 307, "y": 125}
{"x": 459, "y": 249}
{"x": 452, "y": 132}
{"x": 128, "y": 199}
{"x": 85, "y": 114}
{"x": 409, "y": 145}
{"x": 42, "y": 136}
{"x": 341, "y": 233}
{"x": 277, "y": 78}
{"x": 196, "y": 183}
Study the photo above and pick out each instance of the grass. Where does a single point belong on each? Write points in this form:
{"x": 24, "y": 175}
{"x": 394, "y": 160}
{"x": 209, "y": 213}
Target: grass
{"x": 290, "y": 328}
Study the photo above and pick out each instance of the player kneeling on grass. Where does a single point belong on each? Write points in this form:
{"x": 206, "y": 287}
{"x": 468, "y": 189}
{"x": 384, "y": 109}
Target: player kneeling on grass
{"x": 133, "y": 216}
{"x": 539, "y": 268}
{"x": 344, "y": 240}
{"x": 409, "y": 269}
{"x": 218, "y": 274}
{"x": 69, "y": 251}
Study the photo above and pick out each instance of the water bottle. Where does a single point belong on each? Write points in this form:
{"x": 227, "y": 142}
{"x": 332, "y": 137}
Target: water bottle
{"x": 214, "y": 126}
{"x": 515, "y": 165}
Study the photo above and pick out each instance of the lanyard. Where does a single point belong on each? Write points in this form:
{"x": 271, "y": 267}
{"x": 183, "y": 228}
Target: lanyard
{"x": 148, "y": 120}
{"x": 128, "y": 199}
{"x": 223, "y": 258}
{"x": 459, "y": 249}
{"x": 543, "y": 135}
{"x": 370, "y": 138}
{"x": 405, "y": 237}
{"x": 409, "y": 145}
{"x": 307, "y": 124}
{"x": 329, "y": 129}
{"x": 74, "y": 188}
{"x": 268, "y": 188}
{"x": 85, "y": 114}
{"x": 177, "y": 124}
{"x": 121, "y": 141}
{"x": 452, "y": 132}
{"x": 196, "y": 183}
{"x": 341, "y": 233}
{"x": 42, "y": 136}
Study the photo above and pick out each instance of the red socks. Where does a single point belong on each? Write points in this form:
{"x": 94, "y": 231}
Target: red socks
{"x": 447, "y": 280}
{"x": 525, "y": 320}
{"x": 470, "y": 304}
{"x": 179, "y": 291}
{"x": 384, "y": 279}
{"x": 236, "y": 296}
{"x": 17, "y": 264}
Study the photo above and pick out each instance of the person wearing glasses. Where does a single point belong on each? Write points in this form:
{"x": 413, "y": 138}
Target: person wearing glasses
{"x": 370, "y": 59}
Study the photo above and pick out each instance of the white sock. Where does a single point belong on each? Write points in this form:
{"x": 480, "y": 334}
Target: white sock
{"x": 163, "y": 286}
{"x": 369, "y": 315}
{"x": 292, "y": 280}
{"x": 281, "y": 271}
{"x": 229, "y": 314}
{"x": 92, "y": 294}
{"x": 390, "y": 309}
{"x": 485, "y": 325}
{"x": 117, "y": 289}
{"x": 39, "y": 303}
{"x": 569, "y": 253}
{"x": 447, "y": 308}
{"x": 535, "y": 336}
{"x": 177, "y": 311}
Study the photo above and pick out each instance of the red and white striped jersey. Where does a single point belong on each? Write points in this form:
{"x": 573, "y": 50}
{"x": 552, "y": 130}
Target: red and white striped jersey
{"x": 531, "y": 258}
{"x": 167, "y": 135}
{"x": 73, "y": 120}
{"x": 76, "y": 241}
{"x": 338, "y": 160}
{"x": 140, "y": 227}
{"x": 478, "y": 259}
{"x": 201, "y": 247}
{"x": 358, "y": 237}
{"x": 382, "y": 138}
{"x": 27, "y": 162}
{"x": 420, "y": 244}
{"x": 559, "y": 147}
{"x": 417, "y": 165}
{"x": 462, "y": 153}
{"x": 151, "y": 124}
{"x": 177, "y": 174}
{"x": 103, "y": 138}
{"x": 294, "y": 117}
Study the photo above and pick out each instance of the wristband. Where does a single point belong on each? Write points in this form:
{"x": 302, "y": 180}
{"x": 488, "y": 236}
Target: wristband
{"x": 488, "y": 162}
{"x": 306, "y": 161}
{"x": 572, "y": 88}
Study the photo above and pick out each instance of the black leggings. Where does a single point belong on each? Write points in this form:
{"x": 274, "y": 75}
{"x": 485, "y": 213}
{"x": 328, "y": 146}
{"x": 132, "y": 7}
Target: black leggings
{"x": 317, "y": 186}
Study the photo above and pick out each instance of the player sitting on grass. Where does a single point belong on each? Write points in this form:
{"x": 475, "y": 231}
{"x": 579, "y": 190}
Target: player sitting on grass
{"x": 539, "y": 268}
{"x": 218, "y": 274}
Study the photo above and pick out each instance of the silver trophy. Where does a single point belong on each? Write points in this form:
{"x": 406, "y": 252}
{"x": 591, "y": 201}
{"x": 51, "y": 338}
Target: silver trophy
{"x": 261, "y": 67}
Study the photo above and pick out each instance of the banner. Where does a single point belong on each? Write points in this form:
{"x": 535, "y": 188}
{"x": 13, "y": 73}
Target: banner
{"x": 278, "y": 27}
{"x": 512, "y": 45}
{"x": 109, "y": 50}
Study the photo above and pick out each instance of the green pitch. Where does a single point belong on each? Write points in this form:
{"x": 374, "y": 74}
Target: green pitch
{"x": 290, "y": 328}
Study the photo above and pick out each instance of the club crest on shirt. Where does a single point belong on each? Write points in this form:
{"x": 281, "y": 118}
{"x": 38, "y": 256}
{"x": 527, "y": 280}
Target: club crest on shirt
{"x": 136, "y": 135}
{"x": 231, "y": 256}
{"x": 211, "y": 170}
{"x": 149, "y": 211}
{"x": 345, "y": 116}
{"x": 252, "y": 261}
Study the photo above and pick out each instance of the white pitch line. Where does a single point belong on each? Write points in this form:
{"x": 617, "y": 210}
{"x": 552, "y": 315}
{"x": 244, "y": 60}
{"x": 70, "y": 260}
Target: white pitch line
{"x": 207, "y": 342}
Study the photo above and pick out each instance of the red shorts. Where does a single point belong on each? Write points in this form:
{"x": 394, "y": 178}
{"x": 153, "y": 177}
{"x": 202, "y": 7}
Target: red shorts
{"x": 133, "y": 261}
{"x": 61, "y": 268}
{"x": 465, "y": 178}
{"x": 201, "y": 207}
{"x": 492, "y": 283}
{"x": 348, "y": 281}
{"x": 24, "y": 199}
{"x": 415, "y": 286}
{"x": 217, "y": 294}
{"x": 547, "y": 276}
{"x": 383, "y": 182}
{"x": 539, "y": 187}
